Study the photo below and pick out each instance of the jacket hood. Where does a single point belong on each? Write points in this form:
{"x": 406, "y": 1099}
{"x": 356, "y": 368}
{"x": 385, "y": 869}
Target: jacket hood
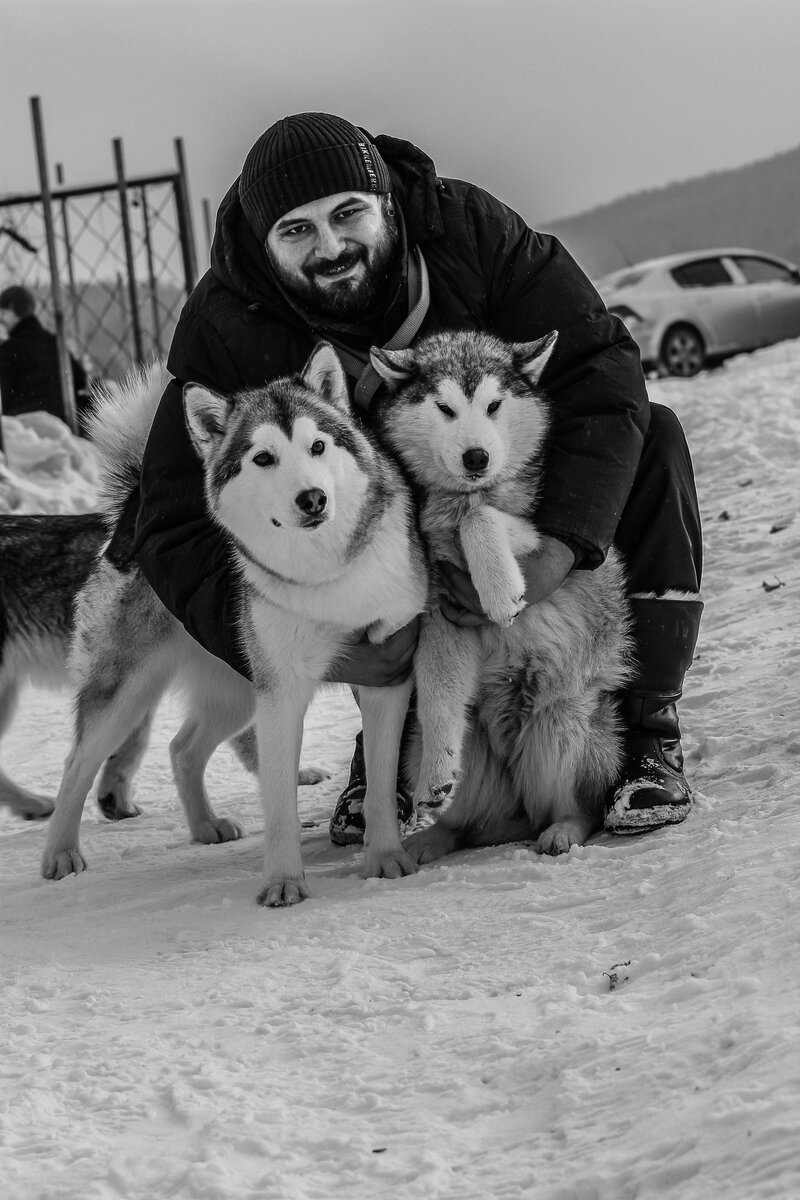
{"x": 238, "y": 260}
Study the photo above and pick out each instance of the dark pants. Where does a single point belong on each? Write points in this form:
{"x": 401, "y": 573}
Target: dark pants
{"x": 659, "y": 533}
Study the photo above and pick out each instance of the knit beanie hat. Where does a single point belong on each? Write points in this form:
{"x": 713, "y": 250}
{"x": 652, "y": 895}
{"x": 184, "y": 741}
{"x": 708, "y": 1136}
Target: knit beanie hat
{"x": 302, "y": 158}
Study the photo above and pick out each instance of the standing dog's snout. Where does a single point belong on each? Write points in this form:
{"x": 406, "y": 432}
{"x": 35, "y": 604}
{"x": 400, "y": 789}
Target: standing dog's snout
{"x": 312, "y": 501}
{"x": 475, "y": 459}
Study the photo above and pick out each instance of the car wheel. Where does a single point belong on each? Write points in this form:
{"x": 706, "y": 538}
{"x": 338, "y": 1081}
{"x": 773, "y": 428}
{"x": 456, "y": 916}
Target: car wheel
{"x": 683, "y": 351}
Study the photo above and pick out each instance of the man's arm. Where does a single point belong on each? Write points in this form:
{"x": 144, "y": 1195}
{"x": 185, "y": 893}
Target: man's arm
{"x": 594, "y": 381}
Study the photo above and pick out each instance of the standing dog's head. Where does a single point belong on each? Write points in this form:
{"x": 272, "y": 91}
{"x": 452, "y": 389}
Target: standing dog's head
{"x": 463, "y": 411}
{"x": 284, "y": 463}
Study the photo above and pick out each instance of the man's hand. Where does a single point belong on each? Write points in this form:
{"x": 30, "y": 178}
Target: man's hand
{"x": 379, "y": 666}
{"x": 544, "y": 572}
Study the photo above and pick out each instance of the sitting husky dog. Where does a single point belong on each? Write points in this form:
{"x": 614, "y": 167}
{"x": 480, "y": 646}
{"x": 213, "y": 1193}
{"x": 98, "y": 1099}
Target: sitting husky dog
{"x": 519, "y": 730}
{"x": 321, "y": 528}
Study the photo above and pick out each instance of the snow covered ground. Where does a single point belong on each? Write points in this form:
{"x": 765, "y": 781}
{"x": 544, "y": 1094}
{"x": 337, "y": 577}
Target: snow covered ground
{"x": 619, "y": 1023}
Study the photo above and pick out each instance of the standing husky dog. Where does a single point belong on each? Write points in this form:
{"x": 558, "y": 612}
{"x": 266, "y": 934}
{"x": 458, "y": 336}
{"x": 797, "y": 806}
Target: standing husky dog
{"x": 45, "y": 560}
{"x": 465, "y": 417}
{"x": 322, "y": 531}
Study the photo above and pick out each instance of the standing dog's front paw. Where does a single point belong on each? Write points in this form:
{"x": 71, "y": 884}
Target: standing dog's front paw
{"x": 57, "y": 864}
{"x": 280, "y": 893}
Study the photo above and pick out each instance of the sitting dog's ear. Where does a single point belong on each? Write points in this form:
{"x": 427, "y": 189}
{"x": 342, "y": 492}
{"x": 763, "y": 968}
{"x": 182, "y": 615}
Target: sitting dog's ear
{"x": 395, "y": 367}
{"x": 324, "y": 374}
{"x": 206, "y": 417}
{"x": 530, "y": 358}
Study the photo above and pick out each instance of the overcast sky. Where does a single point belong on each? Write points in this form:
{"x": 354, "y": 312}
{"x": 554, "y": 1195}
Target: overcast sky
{"x": 554, "y": 105}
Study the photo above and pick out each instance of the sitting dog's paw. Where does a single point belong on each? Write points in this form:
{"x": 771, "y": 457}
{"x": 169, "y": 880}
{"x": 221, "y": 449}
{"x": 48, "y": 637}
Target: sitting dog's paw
{"x": 387, "y": 864}
{"x": 281, "y": 893}
{"x": 57, "y": 864}
{"x": 438, "y": 780}
{"x": 311, "y": 774}
{"x": 504, "y": 611}
{"x": 558, "y": 838}
{"x": 427, "y": 845}
{"x": 220, "y": 829}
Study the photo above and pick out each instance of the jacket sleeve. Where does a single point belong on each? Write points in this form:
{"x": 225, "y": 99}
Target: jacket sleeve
{"x": 180, "y": 551}
{"x": 599, "y": 406}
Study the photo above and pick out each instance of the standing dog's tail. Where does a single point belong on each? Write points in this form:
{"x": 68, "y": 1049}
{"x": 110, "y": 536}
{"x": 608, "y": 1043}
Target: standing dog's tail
{"x": 118, "y": 425}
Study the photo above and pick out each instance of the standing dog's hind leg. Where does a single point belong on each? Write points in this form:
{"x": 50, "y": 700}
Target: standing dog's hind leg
{"x": 103, "y": 718}
{"x": 114, "y": 790}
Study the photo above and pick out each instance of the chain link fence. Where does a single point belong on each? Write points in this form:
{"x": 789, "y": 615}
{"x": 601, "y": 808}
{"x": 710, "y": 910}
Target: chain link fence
{"x": 125, "y": 263}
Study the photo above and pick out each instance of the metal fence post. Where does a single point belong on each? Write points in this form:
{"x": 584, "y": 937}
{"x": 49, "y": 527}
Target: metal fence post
{"x": 73, "y": 291}
{"x": 64, "y": 363}
{"x": 122, "y": 192}
{"x": 151, "y": 271}
{"x": 185, "y": 226}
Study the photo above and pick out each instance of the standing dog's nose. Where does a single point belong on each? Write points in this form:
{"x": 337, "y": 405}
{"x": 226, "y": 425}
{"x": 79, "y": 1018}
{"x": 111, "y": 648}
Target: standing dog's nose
{"x": 312, "y": 502}
{"x": 475, "y": 459}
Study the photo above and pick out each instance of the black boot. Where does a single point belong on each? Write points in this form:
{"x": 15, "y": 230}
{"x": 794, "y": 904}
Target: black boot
{"x": 347, "y": 822}
{"x": 651, "y": 790}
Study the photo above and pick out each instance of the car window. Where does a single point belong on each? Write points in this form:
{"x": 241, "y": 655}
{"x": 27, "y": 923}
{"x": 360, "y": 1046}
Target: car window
{"x": 705, "y": 272}
{"x": 628, "y": 279}
{"x": 762, "y": 270}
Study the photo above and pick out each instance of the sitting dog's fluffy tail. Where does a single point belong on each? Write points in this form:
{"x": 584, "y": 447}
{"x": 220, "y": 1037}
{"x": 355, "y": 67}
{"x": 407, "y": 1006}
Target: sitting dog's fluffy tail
{"x": 118, "y": 425}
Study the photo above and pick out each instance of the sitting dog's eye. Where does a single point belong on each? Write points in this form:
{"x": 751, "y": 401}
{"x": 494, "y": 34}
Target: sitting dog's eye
{"x": 493, "y": 407}
{"x": 445, "y": 408}
{"x": 318, "y": 447}
{"x": 264, "y": 459}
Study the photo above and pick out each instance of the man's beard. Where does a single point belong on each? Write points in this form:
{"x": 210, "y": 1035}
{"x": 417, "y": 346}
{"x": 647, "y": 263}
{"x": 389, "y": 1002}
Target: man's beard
{"x": 347, "y": 298}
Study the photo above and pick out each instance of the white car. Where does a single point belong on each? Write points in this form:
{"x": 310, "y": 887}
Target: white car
{"x": 688, "y": 310}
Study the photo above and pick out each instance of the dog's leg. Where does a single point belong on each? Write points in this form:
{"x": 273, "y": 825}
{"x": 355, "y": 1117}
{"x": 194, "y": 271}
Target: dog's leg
{"x": 494, "y": 571}
{"x": 279, "y": 730}
{"x": 114, "y": 790}
{"x": 383, "y": 713}
{"x": 485, "y": 811}
{"x": 244, "y": 747}
{"x": 106, "y": 709}
{"x": 446, "y": 667}
{"x": 221, "y": 704}
{"x": 557, "y": 748}
{"x": 29, "y": 805}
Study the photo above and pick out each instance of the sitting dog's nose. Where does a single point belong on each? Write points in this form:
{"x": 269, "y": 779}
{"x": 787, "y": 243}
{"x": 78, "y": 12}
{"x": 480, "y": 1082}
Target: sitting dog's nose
{"x": 475, "y": 459}
{"x": 312, "y": 502}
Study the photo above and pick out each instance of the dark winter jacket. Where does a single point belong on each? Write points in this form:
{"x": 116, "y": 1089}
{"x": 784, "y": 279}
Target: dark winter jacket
{"x": 487, "y": 271}
{"x": 30, "y": 375}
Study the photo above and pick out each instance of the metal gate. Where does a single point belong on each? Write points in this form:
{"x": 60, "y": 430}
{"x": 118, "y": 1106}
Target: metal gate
{"x": 110, "y": 264}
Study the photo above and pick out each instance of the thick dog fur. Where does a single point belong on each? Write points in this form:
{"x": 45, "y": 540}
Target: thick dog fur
{"x": 519, "y": 730}
{"x": 322, "y": 532}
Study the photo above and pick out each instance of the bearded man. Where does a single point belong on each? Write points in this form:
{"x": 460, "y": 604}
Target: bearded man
{"x": 332, "y": 234}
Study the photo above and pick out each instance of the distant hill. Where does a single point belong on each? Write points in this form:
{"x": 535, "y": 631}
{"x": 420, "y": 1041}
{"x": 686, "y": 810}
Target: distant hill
{"x": 757, "y": 206}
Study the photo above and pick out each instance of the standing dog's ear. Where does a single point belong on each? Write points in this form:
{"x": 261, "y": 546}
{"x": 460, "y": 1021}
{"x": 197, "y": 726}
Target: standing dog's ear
{"x": 530, "y": 358}
{"x": 395, "y": 367}
{"x": 324, "y": 374}
{"x": 206, "y": 417}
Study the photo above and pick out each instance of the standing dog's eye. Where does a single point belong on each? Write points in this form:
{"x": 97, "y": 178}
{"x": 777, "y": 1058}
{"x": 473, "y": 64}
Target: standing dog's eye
{"x": 493, "y": 407}
{"x": 445, "y": 408}
{"x": 318, "y": 447}
{"x": 264, "y": 459}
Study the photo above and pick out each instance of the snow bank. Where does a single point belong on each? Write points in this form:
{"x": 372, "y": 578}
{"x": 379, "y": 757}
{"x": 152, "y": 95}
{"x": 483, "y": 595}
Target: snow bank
{"x": 45, "y": 468}
{"x": 616, "y": 1024}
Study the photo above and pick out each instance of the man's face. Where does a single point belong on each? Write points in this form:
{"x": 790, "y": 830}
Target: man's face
{"x": 334, "y": 254}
